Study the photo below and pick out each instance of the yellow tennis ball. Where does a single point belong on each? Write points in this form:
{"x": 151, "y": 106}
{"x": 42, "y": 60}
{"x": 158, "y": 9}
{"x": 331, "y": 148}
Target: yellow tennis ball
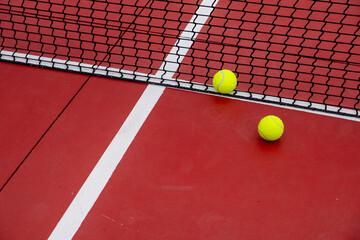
{"x": 271, "y": 128}
{"x": 224, "y": 81}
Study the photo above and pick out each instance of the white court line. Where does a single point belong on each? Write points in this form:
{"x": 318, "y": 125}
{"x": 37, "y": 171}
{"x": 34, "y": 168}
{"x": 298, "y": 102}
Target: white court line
{"x": 100, "y": 175}
{"x": 186, "y": 39}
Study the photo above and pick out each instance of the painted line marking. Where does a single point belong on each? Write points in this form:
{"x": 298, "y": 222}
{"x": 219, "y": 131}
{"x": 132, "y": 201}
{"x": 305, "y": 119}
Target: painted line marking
{"x": 100, "y": 175}
{"x": 186, "y": 39}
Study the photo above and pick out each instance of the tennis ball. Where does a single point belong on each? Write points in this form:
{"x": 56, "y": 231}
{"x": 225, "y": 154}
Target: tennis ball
{"x": 271, "y": 128}
{"x": 224, "y": 81}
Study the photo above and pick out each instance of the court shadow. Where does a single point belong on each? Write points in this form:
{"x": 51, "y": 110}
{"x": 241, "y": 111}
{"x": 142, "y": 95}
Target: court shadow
{"x": 269, "y": 148}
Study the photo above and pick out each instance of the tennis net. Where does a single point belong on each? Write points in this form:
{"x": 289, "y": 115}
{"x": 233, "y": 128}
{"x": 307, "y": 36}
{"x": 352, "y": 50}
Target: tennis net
{"x": 300, "y": 53}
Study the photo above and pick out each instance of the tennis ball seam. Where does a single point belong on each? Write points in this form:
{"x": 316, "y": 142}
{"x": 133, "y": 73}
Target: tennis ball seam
{"x": 276, "y": 122}
{"x": 222, "y": 80}
{"x": 263, "y": 135}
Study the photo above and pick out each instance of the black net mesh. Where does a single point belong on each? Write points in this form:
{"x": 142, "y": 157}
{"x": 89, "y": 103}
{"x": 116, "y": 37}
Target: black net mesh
{"x": 295, "y": 52}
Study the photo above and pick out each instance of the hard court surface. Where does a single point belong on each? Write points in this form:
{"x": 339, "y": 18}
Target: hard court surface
{"x": 197, "y": 169}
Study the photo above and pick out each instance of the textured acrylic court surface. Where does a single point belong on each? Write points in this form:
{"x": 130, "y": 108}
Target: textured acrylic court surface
{"x": 196, "y": 170}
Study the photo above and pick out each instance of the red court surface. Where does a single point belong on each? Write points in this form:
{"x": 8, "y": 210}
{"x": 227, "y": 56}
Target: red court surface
{"x": 36, "y": 197}
{"x": 196, "y": 170}
{"x": 31, "y": 100}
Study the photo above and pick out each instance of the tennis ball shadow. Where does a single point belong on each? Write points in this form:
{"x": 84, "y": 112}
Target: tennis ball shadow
{"x": 269, "y": 147}
{"x": 220, "y": 109}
